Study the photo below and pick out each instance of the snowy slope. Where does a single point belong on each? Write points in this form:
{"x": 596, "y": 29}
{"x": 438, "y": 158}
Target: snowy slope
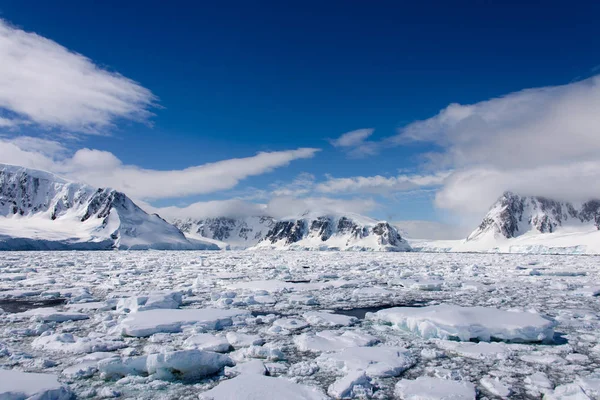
{"x": 313, "y": 231}
{"x": 39, "y": 210}
{"x": 519, "y": 224}
{"x": 232, "y": 233}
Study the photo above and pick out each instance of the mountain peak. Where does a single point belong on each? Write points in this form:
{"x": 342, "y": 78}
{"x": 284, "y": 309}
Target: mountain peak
{"x": 40, "y": 210}
{"x": 513, "y": 215}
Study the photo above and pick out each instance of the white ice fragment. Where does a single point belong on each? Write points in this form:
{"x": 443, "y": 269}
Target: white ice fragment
{"x": 477, "y": 351}
{"x": 152, "y": 301}
{"x": 302, "y": 299}
{"x": 186, "y": 364}
{"x": 147, "y": 323}
{"x": 208, "y": 342}
{"x": 68, "y": 343}
{"x": 382, "y": 361}
{"x": 570, "y": 391}
{"x": 82, "y": 370}
{"x": 354, "y": 384}
{"x": 428, "y": 388}
{"x": 262, "y": 387}
{"x": 50, "y": 314}
{"x": 590, "y": 385}
{"x": 495, "y": 387}
{"x": 16, "y": 385}
{"x": 320, "y": 318}
{"x": 465, "y": 323}
{"x": 262, "y": 352}
{"x": 539, "y": 380}
{"x": 124, "y": 366}
{"x": 255, "y": 367}
{"x": 333, "y": 340}
{"x": 544, "y": 359}
{"x": 289, "y": 325}
{"x": 239, "y": 340}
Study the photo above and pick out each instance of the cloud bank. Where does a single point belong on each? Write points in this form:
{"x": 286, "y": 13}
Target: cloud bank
{"x": 44, "y": 83}
{"x": 277, "y": 207}
{"x": 104, "y": 169}
{"x": 541, "y": 141}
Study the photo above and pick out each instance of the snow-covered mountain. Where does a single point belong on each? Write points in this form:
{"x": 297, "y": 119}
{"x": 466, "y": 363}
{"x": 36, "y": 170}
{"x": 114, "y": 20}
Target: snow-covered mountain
{"x": 313, "y": 231}
{"x": 310, "y": 231}
{"x": 227, "y": 232}
{"x": 513, "y": 215}
{"x": 531, "y": 224}
{"x": 39, "y": 210}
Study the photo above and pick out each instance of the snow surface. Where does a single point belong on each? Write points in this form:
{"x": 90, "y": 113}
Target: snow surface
{"x": 203, "y": 331}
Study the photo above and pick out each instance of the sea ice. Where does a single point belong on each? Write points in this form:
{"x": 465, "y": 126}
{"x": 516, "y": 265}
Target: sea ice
{"x": 428, "y": 388}
{"x": 466, "y": 323}
{"x": 208, "y": 342}
{"x": 258, "y": 387}
{"x": 333, "y": 340}
{"x": 50, "y": 314}
{"x": 147, "y": 323}
{"x": 17, "y": 385}
{"x": 320, "y": 318}
{"x": 381, "y": 361}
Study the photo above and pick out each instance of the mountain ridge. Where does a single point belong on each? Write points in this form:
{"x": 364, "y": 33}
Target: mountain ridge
{"x": 39, "y": 210}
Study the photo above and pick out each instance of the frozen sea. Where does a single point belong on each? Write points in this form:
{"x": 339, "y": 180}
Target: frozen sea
{"x": 298, "y": 325}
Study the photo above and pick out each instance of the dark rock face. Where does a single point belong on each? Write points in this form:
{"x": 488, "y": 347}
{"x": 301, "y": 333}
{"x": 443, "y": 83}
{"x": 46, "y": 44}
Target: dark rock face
{"x": 322, "y": 226}
{"x": 288, "y": 231}
{"x": 513, "y": 215}
{"x": 326, "y": 227}
{"x": 387, "y": 234}
{"x": 590, "y": 211}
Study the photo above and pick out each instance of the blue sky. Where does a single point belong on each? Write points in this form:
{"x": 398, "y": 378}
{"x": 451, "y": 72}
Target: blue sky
{"x": 236, "y": 78}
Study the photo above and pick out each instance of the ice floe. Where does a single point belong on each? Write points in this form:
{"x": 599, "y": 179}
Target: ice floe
{"x": 466, "y": 323}
{"x": 147, "y": 323}
{"x": 429, "y": 388}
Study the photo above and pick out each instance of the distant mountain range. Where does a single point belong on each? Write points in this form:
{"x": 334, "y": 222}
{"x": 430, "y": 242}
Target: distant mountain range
{"x": 41, "y": 211}
{"x": 311, "y": 231}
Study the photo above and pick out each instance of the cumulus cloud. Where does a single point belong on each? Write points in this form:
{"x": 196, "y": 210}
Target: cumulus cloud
{"x": 277, "y": 207}
{"x": 541, "y": 141}
{"x": 529, "y": 128}
{"x": 45, "y": 83}
{"x": 379, "y": 184}
{"x": 104, "y": 169}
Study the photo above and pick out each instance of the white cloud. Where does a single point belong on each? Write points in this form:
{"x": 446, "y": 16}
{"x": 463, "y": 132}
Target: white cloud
{"x": 42, "y": 82}
{"x": 104, "y": 169}
{"x": 529, "y": 128}
{"x": 278, "y": 207}
{"x": 301, "y": 186}
{"x": 379, "y": 184}
{"x": 355, "y": 143}
{"x": 351, "y": 139}
{"x": 542, "y": 141}
{"x": 473, "y": 190}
